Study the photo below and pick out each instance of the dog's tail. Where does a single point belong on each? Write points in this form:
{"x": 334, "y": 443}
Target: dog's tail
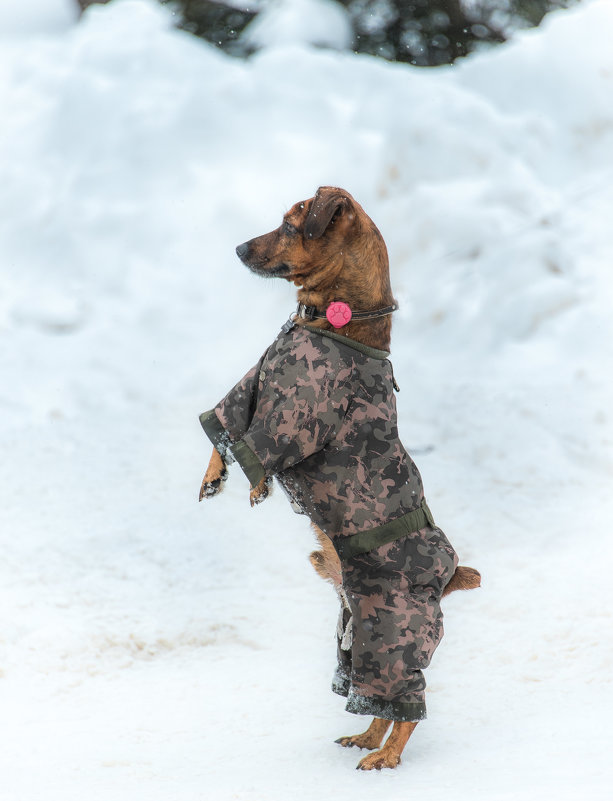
{"x": 464, "y": 578}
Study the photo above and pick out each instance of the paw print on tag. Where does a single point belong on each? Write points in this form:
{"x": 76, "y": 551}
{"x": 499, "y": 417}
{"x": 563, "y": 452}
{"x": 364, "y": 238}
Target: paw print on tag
{"x": 338, "y": 314}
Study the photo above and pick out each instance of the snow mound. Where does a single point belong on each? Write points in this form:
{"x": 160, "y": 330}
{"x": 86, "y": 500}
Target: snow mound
{"x": 36, "y": 17}
{"x": 288, "y": 22}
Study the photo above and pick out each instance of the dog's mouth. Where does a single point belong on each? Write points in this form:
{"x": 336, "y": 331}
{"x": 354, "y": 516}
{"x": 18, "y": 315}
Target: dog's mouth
{"x": 278, "y": 271}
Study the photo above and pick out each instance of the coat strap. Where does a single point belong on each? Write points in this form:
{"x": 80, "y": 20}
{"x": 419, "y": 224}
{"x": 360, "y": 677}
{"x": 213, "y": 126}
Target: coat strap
{"x": 365, "y": 541}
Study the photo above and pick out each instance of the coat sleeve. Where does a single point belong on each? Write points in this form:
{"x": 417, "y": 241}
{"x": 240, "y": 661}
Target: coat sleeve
{"x": 297, "y": 413}
{"x": 230, "y": 419}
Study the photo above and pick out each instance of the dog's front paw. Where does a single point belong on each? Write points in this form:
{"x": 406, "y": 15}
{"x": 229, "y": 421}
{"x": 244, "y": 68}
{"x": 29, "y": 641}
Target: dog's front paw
{"x": 216, "y": 474}
{"x": 260, "y": 492}
{"x": 209, "y": 488}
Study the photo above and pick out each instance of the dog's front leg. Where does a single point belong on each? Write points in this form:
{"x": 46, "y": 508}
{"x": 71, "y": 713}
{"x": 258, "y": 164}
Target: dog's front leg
{"x": 216, "y": 474}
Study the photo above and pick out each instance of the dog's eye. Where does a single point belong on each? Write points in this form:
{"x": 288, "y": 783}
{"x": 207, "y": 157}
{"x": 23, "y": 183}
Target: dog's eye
{"x": 289, "y": 229}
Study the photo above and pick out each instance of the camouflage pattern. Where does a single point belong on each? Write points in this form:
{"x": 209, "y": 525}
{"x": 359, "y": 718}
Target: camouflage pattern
{"x": 393, "y": 595}
{"x": 320, "y": 415}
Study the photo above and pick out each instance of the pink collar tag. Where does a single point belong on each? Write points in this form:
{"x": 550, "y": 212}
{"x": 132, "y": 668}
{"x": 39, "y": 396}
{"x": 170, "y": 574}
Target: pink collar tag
{"x": 338, "y": 314}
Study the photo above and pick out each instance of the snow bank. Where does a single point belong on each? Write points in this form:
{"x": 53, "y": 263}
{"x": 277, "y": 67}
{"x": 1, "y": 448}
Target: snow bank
{"x": 318, "y": 22}
{"x": 36, "y": 17}
{"x": 140, "y": 631}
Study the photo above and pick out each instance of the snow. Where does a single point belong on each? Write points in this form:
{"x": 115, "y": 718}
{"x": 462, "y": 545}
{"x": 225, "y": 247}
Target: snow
{"x": 36, "y": 17}
{"x": 153, "y": 646}
{"x": 318, "y": 22}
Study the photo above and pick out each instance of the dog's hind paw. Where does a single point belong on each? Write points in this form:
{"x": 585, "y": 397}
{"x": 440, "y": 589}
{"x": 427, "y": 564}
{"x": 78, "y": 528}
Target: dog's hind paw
{"x": 371, "y": 738}
{"x": 380, "y": 759}
{"x": 358, "y": 740}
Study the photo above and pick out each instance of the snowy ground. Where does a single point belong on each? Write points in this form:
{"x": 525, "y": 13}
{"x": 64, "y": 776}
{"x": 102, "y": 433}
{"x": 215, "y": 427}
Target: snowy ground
{"x": 151, "y": 647}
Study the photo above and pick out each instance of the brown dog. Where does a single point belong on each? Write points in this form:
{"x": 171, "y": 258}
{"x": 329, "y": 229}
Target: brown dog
{"x": 331, "y": 250}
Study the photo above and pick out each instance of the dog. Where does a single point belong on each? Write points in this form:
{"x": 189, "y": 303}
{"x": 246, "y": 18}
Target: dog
{"x": 318, "y": 412}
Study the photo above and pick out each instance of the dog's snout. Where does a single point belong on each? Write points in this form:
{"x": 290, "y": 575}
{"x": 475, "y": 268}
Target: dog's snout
{"x": 242, "y": 250}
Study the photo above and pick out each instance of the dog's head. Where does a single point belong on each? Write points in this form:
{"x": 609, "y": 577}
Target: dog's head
{"x": 316, "y": 238}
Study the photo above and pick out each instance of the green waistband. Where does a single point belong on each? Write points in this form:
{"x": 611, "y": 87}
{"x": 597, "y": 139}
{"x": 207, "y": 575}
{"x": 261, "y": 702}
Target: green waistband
{"x": 365, "y": 541}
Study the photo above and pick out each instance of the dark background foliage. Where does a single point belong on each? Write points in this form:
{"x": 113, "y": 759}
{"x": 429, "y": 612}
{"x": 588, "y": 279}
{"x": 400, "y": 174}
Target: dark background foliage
{"x": 421, "y": 32}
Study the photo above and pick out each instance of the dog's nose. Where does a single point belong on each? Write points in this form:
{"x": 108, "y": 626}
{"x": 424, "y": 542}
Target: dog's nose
{"x": 241, "y": 250}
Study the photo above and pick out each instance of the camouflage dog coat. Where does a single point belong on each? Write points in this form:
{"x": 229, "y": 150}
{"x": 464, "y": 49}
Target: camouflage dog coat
{"x": 318, "y": 412}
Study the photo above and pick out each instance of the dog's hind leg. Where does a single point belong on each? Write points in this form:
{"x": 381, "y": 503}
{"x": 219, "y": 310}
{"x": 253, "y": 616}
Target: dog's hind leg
{"x": 326, "y": 561}
{"x": 389, "y": 755}
{"x": 371, "y": 738}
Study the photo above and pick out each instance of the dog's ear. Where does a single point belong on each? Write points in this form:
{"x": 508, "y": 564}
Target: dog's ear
{"x": 328, "y": 204}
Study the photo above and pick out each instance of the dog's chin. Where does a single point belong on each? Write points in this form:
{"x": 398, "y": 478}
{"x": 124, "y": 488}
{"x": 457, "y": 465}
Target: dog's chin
{"x": 278, "y": 271}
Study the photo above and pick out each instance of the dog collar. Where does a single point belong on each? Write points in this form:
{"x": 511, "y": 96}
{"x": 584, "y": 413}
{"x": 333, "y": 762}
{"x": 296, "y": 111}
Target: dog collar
{"x": 339, "y": 313}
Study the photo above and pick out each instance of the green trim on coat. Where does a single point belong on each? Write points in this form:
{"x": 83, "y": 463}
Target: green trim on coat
{"x": 213, "y": 429}
{"x": 219, "y": 436}
{"x": 405, "y": 711}
{"x": 374, "y": 353}
{"x": 249, "y": 462}
{"x": 372, "y": 538}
